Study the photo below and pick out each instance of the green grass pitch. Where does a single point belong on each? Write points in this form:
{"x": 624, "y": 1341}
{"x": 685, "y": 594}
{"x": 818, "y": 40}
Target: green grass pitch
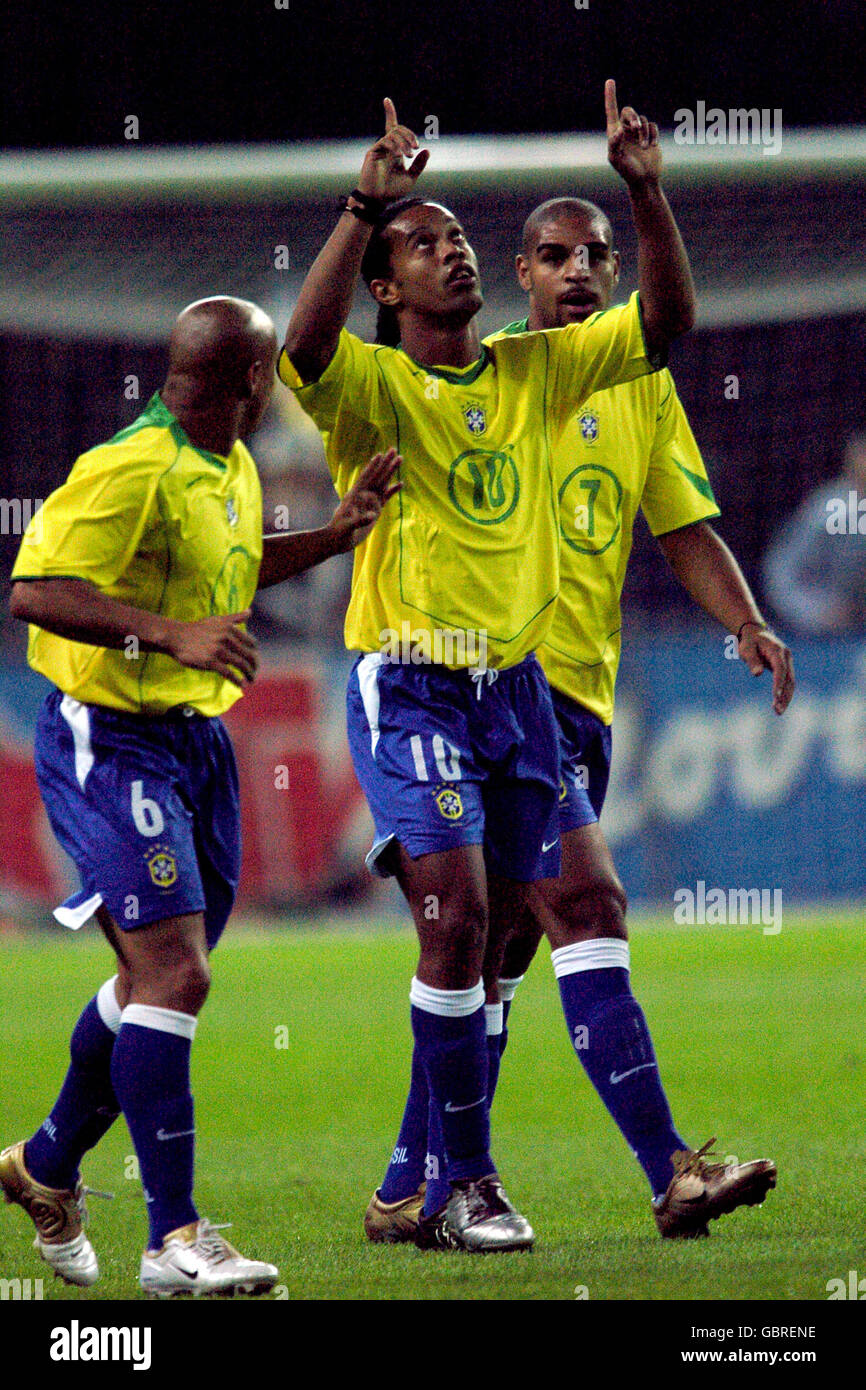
{"x": 760, "y": 1042}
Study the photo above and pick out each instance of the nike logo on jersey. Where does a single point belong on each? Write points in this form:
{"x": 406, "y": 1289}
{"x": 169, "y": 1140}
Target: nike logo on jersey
{"x": 615, "y": 1080}
{"x": 452, "y": 1109}
{"x": 176, "y": 1134}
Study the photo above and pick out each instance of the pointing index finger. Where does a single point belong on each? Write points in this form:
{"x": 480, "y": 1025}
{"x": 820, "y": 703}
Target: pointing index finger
{"x": 390, "y": 115}
{"x": 611, "y": 109}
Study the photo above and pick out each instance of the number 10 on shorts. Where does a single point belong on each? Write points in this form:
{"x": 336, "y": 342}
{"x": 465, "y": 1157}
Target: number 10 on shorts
{"x": 445, "y": 756}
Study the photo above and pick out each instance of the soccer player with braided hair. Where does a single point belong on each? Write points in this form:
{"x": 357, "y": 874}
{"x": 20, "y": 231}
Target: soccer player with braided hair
{"x": 450, "y": 720}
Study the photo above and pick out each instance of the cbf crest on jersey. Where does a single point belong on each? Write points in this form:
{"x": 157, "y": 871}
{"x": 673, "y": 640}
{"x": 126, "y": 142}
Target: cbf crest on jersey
{"x": 476, "y": 420}
{"x": 589, "y": 426}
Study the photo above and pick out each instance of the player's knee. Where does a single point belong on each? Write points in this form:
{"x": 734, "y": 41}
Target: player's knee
{"x": 521, "y": 949}
{"x": 467, "y": 927}
{"x": 597, "y": 911}
{"x": 180, "y": 982}
{"x": 192, "y": 983}
{"x": 458, "y": 937}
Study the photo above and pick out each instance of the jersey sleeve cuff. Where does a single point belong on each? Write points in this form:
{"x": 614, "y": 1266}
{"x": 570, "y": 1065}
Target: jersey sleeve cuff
{"x": 669, "y": 528}
{"x": 288, "y": 373}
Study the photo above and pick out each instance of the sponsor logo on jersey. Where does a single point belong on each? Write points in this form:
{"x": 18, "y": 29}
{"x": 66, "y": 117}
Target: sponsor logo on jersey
{"x": 162, "y": 866}
{"x": 476, "y": 421}
{"x": 449, "y": 803}
{"x": 589, "y": 426}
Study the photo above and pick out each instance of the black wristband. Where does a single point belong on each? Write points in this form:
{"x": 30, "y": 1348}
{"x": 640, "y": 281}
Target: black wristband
{"x": 369, "y": 209}
{"x": 751, "y": 622}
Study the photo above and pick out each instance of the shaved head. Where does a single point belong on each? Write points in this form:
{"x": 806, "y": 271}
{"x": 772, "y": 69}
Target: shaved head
{"x": 221, "y": 359}
{"x": 554, "y": 210}
{"x": 215, "y": 341}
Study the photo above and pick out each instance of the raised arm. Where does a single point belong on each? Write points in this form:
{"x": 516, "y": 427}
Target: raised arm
{"x": 667, "y": 294}
{"x": 286, "y": 555}
{"x": 708, "y": 571}
{"x": 326, "y": 295}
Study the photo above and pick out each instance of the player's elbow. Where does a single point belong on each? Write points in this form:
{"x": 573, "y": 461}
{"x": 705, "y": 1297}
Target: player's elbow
{"x": 306, "y": 351}
{"x": 660, "y": 333}
{"x": 21, "y": 603}
{"x": 685, "y": 319}
{"x": 677, "y": 320}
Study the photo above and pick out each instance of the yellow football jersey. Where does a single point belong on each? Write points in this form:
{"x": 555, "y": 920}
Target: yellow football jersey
{"x": 627, "y": 447}
{"x": 155, "y": 522}
{"x": 470, "y": 546}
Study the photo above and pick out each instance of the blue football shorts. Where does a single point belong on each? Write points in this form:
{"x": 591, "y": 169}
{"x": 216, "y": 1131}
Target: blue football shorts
{"x": 584, "y": 749}
{"x": 146, "y": 807}
{"x": 449, "y": 758}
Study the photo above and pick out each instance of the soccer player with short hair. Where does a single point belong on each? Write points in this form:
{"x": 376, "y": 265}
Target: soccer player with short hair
{"x": 136, "y": 577}
{"x": 625, "y": 447}
{"x": 458, "y": 756}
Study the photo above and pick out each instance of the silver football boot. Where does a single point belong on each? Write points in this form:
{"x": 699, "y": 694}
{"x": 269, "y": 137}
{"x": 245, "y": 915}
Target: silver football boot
{"x": 480, "y": 1218}
{"x": 196, "y": 1260}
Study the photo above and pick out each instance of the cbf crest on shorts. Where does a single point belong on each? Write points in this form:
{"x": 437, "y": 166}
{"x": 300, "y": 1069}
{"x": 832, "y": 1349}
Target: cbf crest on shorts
{"x": 162, "y": 866}
{"x": 449, "y": 803}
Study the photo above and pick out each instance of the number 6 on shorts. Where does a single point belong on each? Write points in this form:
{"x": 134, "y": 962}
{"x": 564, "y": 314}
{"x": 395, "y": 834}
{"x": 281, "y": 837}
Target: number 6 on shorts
{"x": 146, "y": 814}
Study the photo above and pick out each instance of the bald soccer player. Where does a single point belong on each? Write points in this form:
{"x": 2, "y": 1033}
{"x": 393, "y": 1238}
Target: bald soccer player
{"x": 136, "y": 577}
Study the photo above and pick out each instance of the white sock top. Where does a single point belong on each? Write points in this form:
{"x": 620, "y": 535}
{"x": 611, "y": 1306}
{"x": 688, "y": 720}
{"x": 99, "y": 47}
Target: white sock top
{"x": 601, "y": 953}
{"x": 448, "y": 1003}
{"x": 493, "y": 1019}
{"x": 162, "y": 1020}
{"x": 106, "y": 1003}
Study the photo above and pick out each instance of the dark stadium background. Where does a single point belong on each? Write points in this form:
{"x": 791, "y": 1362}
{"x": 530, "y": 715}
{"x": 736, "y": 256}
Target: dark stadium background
{"x": 209, "y": 71}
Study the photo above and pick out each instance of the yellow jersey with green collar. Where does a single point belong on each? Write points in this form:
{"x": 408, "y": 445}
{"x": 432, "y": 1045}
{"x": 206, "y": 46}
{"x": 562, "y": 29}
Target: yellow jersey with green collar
{"x": 465, "y": 558}
{"x": 155, "y": 522}
{"x": 626, "y": 447}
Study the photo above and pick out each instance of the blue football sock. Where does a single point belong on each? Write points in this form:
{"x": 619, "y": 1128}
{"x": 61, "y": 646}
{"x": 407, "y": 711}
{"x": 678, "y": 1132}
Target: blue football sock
{"x": 150, "y": 1071}
{"x": 507, "y": 991}
{"x": 406, "y": 1171}
{"x": 438, "y": 1185}
{"x": 436, "y": 1167}
{"x": 449, "y": 1031}
{"x": 87, "y": 1106}
{"x": 610, "y": 1036}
